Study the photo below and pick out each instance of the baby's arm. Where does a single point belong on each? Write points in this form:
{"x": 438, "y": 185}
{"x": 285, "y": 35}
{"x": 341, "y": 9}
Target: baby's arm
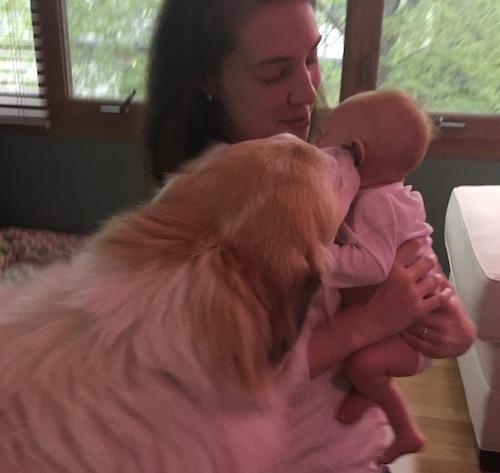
{"x": 368, "y": 244}
{"x": 360, "y": 263}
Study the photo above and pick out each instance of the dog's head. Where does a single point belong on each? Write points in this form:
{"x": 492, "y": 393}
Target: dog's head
{"x": 250, "y": 225}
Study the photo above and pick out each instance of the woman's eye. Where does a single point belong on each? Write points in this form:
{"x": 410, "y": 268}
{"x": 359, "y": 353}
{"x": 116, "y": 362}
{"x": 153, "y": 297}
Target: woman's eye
{"x": 275, "y": 76}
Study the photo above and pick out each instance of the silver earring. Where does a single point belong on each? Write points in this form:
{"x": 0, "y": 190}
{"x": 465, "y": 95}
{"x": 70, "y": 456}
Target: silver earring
{"x": 210, "y": 97}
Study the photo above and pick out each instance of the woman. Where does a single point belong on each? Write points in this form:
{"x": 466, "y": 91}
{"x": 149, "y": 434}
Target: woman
{"x": 230, "y": 70}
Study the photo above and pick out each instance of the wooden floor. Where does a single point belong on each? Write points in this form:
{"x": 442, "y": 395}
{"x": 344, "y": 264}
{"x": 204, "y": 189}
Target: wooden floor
{"x": 437, "y": 402}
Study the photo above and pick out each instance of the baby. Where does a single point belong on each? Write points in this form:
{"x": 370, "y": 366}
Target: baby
{"x": 388, "y": 134}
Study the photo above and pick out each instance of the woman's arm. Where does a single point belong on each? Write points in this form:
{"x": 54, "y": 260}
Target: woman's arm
{"x": 408, "y": 293}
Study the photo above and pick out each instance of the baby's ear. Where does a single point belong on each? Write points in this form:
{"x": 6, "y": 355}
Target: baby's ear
{"x": 358, "y": 151}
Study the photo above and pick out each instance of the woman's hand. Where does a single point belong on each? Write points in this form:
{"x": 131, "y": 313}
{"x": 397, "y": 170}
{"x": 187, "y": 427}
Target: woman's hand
{"x": 408, "y": 293}
{"x": 444, "y": 332}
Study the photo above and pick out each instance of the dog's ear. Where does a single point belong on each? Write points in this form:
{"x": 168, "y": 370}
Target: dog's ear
{"x": 231, "y": 329}
{"x": 275, "y": 215}
{"x": 294, "y": 310}
{"x": 244, "y": 322}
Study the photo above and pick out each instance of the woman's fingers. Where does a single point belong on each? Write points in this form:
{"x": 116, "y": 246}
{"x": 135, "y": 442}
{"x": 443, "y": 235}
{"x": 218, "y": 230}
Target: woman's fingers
{"x": 434, "y": 301}
{"x": 433, "y": 284}
{"x": 422, "y": 267}
{"x": 409, "y": 251}
{"x": 414, "y": 288}
{"x": 441, "y": 327}
{"x": 426, "y": 345}
{"x": 425, "y": 338}
{"x": 449, "y": 330}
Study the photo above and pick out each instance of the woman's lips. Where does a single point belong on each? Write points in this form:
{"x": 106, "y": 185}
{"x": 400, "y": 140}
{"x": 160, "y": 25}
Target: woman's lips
{"x": 299, "y": 123}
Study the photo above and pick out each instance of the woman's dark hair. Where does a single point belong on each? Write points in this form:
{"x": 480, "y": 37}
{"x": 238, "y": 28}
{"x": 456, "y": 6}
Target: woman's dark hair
{"x": 191, "y": 40}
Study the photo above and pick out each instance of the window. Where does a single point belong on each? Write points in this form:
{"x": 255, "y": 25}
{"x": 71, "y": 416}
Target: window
{"x": 108, "y": 47}
{"x": 95, "y": 57}
{"x": 331, "y": 16}
{"x": 22, "y": 96}
{"x": 445, "y": 53}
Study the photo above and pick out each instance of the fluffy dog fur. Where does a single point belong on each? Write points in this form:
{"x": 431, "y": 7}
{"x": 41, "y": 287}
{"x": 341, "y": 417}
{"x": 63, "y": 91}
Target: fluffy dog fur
{"x": 164, "y": 345}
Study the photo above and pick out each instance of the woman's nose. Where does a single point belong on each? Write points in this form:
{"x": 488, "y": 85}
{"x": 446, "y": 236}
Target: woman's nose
{"x": 304, "y": 89}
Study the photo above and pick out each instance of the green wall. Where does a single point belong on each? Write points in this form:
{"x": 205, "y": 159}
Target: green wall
{"x": 65, "y": 184}
{"x": 74, "y": 184}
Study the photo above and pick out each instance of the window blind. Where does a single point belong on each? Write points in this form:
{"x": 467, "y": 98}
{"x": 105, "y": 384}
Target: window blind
{"x": 22, "y": 86}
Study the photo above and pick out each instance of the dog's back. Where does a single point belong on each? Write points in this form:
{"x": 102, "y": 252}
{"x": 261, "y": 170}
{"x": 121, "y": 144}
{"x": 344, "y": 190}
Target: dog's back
{"x": 75, "y": 399}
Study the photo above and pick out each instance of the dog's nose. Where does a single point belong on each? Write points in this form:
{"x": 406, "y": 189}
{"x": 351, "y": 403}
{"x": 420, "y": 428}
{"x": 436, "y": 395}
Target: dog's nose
{"x": 344, "y": 174}
{"x": 335, "y": 151}
{"x": 343, "y": 164}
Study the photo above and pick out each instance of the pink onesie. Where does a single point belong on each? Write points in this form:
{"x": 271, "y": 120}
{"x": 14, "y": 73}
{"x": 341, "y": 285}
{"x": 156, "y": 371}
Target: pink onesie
{"x": 379, "y": 221}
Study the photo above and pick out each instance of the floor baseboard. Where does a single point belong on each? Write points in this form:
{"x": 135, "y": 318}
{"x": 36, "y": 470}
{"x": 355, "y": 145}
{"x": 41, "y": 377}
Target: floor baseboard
{"x": 489, "y": 461}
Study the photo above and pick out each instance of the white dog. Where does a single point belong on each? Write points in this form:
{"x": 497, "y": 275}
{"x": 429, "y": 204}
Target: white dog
{"x": 165, "y": 344}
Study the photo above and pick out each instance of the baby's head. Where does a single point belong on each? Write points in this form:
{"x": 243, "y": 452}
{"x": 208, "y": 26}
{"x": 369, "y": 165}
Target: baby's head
{"x": 387, "y": 128}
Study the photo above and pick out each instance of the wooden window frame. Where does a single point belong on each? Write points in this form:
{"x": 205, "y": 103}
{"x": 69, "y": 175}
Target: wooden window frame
{"x": 480, "y": 136}
{"x": 478, "y": 139}
{"x": 77, "y": 117}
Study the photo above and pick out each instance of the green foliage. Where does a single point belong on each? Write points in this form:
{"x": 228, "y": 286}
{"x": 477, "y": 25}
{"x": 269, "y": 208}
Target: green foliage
{"x": 108, "y": 44}
{"x": 331, "y": 71}
{"x": 109, "y": 40}
{"x": 330, "y": 15}
{"x": 446, "y": 53}
{"x": 17, "y": 51}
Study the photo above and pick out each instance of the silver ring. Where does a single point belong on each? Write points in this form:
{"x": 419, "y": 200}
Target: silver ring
{"x": 424, "y": 332}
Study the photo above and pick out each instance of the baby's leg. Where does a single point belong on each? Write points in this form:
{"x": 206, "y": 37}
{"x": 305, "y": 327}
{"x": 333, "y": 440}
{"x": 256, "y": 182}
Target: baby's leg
{"x": 407, "y": 437}
{"x": 370, "y": 370}
{"x": 375, "y": 365}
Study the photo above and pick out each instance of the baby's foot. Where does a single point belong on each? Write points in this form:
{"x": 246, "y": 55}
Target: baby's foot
{"x": 352, "y": 408}
{"x": 408, "y": 442}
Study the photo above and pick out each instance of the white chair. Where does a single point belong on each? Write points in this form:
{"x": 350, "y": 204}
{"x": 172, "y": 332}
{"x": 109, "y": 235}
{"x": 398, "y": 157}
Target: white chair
{"x": 472, "y": 238}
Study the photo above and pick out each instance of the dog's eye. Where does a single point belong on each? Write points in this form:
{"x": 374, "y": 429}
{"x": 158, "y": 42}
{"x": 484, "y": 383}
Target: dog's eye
{"x": 278, "y": 353}
{"x": 312, "y": 283}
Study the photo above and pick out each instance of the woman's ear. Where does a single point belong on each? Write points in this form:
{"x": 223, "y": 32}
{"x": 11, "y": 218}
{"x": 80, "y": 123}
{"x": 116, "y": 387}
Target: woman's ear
{"x": 207, "y": 86}
{"x": 358, "y": 151}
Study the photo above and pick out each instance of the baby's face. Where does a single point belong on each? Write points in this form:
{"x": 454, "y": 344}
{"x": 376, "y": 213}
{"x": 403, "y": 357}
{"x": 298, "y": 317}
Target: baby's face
{"x": 375, "y": 129}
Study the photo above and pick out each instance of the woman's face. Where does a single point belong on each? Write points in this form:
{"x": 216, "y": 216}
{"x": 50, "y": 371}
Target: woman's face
{"x": 268, "y": 83}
